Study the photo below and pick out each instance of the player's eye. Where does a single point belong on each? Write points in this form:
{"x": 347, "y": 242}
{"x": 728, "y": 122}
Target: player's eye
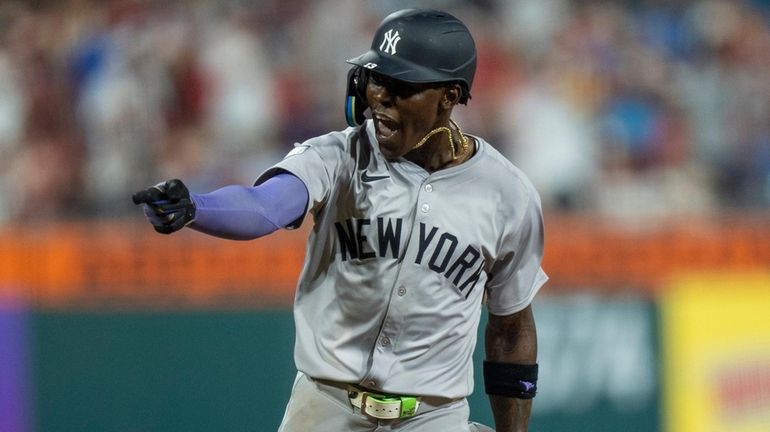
{"x": 406, "y": 90}
{"x": 395, "y": 87}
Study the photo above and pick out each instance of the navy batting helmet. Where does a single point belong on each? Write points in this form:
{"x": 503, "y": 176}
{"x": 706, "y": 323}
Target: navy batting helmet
{"x": 416, "y": 46}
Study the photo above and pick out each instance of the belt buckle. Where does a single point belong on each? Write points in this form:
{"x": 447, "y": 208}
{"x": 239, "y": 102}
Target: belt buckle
{"x": 389, "y": 407}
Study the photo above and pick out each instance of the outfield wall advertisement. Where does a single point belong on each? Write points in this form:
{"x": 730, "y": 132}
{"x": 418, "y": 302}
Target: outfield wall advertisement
{"x": 717, "y": 345}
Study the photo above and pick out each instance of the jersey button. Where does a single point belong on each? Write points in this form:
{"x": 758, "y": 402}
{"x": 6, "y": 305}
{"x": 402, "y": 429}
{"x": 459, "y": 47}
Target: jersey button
{"x": 428, "y": 188}
{"x": 425, "y": 208}
{"x": 371, "y": 383}
{"x": 401, "y": 291}
{"x": 385, "y": 341}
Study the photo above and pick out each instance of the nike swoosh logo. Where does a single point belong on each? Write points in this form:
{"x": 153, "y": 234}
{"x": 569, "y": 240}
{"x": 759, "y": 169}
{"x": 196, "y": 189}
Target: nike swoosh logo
{"x": 366, "y": 178}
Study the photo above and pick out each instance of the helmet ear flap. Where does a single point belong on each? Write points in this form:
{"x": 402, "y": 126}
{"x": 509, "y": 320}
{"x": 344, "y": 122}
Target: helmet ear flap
{"x": 355, "y": 99}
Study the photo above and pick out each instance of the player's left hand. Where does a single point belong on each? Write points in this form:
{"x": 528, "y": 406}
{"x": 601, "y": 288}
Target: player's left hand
{"x": 167, "y": 205}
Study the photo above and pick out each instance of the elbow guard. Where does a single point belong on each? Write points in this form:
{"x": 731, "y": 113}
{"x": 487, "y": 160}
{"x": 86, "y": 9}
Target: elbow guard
{"x": 510, "y": 380}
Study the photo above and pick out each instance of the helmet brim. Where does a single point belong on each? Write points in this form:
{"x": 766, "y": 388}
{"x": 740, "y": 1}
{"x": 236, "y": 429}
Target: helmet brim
{"x": 400, "y": 69}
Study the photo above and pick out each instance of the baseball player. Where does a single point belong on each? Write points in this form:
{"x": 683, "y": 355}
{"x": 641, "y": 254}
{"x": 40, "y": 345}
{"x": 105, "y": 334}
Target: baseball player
{"x": 416, "y": 224}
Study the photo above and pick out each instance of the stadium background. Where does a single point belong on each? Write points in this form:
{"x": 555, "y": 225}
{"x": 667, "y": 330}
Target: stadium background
{"x": 644, "y": 124}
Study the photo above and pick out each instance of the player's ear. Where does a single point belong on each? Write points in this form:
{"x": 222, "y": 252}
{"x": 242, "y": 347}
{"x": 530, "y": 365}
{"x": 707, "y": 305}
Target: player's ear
{"x": 451, "y": 96}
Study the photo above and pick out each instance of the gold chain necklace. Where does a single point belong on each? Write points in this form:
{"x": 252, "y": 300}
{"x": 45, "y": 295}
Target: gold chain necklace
{"x": 463, "y": 138}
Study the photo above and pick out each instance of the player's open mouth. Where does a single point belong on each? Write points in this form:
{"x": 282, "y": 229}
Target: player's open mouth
{"x": 385, "y": 127}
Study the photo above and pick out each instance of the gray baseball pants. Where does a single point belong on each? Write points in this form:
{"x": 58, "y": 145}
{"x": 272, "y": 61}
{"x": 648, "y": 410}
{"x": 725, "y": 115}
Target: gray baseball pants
{"x": 316, "y": 406}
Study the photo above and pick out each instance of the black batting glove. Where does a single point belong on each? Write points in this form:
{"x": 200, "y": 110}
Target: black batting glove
{"x": 167, "y": 205}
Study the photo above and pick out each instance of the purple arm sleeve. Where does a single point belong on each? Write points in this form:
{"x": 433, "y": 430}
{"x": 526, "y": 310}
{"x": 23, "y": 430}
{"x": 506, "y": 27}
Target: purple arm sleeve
{"x": 244, "y": 213}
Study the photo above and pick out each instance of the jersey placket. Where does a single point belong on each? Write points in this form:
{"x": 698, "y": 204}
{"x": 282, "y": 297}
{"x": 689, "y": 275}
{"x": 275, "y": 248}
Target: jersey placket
{"x": 383, "y": 357}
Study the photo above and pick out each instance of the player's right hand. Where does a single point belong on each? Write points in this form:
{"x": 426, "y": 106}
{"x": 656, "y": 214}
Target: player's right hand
{"x": 167, "y": 205}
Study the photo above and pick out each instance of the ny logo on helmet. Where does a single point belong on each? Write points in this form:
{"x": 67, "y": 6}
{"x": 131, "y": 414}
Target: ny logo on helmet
{"x": 389, "y": 42}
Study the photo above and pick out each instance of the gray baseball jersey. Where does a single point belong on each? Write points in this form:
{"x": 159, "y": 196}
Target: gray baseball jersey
{"x": 399, "y": 259}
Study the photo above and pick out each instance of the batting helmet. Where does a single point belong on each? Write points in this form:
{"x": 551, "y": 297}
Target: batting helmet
{"x": 416, "y": 46}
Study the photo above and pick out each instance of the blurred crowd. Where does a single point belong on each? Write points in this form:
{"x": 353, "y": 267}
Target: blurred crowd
{"x": 638, "y": 109}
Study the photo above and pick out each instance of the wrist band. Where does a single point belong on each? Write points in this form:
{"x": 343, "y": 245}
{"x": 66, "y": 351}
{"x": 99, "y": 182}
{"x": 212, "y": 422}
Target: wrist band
{"x": 510, "y": 379}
